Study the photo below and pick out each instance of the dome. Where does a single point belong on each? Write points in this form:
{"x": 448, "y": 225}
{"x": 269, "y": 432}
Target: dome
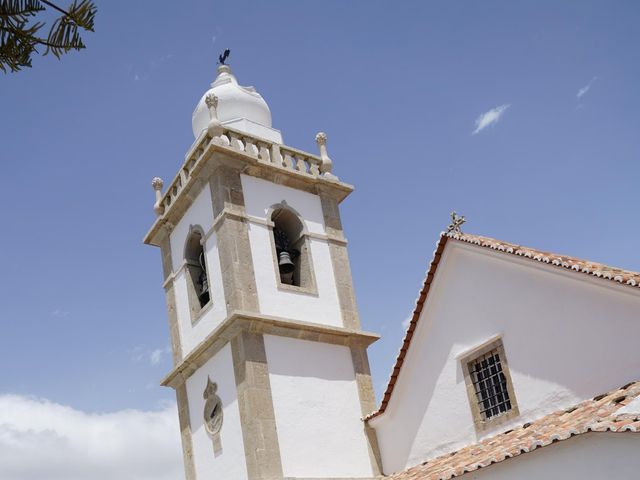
{"x": 234, "y": 103}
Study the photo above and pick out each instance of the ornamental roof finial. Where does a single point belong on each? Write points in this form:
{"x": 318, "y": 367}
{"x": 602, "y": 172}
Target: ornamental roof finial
{"x": 456, "y": 223}
{"x": 327, "y": 164}
{"x": 215, "y": 126}
{"x": 157, "y": 185}
{"x": 223, "y": 56}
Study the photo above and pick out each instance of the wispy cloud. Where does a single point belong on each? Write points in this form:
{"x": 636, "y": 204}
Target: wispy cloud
{"x": 159, "y": 61}
{"x": 59, "y": 313}
{"x": 215, "y": 36}
{"x": 490, "y": 117}
{"x": 77, "y": 445}
{"x": 407, "y": 321}
{"x": 583, "y": 91}
{"x": 143, "y": 73}
{"x": 154, "y": 357}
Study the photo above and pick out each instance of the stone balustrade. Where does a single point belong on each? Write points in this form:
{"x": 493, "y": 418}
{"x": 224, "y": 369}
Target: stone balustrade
{"x": 264, "y": 151}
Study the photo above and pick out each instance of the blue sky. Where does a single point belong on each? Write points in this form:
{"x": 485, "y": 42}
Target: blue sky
{"x": 400, "y": 89}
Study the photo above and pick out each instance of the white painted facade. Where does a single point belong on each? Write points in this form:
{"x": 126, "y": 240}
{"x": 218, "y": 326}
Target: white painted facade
{"x": 313, "y": 384}
{"x": 192, "y": 332}
{"x": 241, "y": 108}
{"x": 229, "y": 461}
{"x": 567, "y": 337}
{"x": 312, "y": 387}
{"x": 590, "y": 456}
{"x": 317, "y": 411}
{"x": 324, "y": 307}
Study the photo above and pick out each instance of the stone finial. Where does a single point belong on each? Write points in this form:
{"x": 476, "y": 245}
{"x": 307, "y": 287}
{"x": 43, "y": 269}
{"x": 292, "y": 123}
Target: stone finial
{"x": 212, "y": 102}
{"x": 456, "y": 223}
{"x": 321, "y": 138}
{"x": 215, "y": 127}
{"x": 327, "y": 164}
{"x": 157, "y": 185}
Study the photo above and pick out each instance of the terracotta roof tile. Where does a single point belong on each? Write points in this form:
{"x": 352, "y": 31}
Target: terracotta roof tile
{"x": 584, "y": 267}
{"x": 576, "y": 264}
{"x": 599, "y": 415}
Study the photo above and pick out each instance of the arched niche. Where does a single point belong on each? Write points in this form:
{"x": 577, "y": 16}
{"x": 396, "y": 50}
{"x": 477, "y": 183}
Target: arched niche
{"x": 291, "y": 248}
{"x": 197, "y": 278}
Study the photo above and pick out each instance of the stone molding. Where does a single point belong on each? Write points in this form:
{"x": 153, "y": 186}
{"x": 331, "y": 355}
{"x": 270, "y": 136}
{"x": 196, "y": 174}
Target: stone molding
{"x": 170, "y": 298}
{"x": 255, "y": 402}
{"x": 208, "y": 152}
{"x": 339, "y": 259}
{"x": 311, "y": 287}
{"x": 367, "y": 399}
{"x": 482, "y": 424}
{"x": 331, "y": 239}
{"x": 240, "y": 321}
{"x": 174, "y": 329}
{"x": 234, "y": 247}
{"x": 232, "y": 213}
{"x": 185, "y": 432}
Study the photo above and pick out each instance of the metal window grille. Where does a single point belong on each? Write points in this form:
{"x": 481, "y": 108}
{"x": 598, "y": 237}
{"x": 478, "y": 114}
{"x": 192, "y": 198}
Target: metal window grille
{"x": 490, "y": 385}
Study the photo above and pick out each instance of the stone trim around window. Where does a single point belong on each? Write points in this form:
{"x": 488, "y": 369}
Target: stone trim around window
{"x": 480, "y": 421}
{"x": 192, "y": 270}
{"x": 306, "y": 269}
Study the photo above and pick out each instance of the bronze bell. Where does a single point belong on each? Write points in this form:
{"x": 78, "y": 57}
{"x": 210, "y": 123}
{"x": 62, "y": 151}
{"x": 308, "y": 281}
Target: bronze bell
{"x": 203, "y": 295}
{"x": 285, "y": 264}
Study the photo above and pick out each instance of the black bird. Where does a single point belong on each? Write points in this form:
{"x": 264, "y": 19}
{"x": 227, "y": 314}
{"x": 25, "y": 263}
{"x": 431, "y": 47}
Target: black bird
{"x": 223, "y": 58}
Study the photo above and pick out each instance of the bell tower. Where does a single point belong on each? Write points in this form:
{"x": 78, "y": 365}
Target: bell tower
{"x": 270, "y": 364}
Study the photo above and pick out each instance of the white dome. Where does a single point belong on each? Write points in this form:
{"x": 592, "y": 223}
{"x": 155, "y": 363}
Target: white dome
{"x": 234, "y": 103}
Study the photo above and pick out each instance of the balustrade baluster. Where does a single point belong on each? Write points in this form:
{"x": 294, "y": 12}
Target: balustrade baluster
{"x": 250, "y": 147}
{"x": 264, "y": 153}
{"x": 288, "y": 161}
{"x": 314, "y": 167}
{"x": 276, "y": 155}
{"x": 235, "y": 142}
{"x": 301, "y": 165}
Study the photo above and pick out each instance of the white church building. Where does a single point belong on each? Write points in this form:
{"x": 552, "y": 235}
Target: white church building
{"x": 517, "y": 363}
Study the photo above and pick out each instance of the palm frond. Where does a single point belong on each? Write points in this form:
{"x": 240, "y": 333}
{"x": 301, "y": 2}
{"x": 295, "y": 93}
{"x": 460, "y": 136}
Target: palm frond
{"x": 64, "y": 34}
{"x": 19, "y": 40}
{"x": 20, "y": 8}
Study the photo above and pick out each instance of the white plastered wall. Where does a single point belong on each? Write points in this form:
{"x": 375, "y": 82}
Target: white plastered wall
{"x": 593, "y": 456}
{"x": 229, "y": 462}
{"x": 317, "y": 409}
{"x": 324, "y": 308}
{"x": 567, "y": 337}
{"x": 199, "y": 213}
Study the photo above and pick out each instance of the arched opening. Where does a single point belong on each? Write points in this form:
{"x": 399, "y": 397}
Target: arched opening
{"x": 197, "y": 279}
{"x": 292, "y": 250}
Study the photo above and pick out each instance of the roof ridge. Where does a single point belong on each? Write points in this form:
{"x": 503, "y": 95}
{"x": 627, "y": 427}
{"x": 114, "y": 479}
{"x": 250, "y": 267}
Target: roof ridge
{"x": 596, "y": 269}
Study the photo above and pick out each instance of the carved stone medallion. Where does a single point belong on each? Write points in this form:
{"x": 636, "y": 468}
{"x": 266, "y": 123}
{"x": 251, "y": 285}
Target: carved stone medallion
{"x": 212, "y": 409}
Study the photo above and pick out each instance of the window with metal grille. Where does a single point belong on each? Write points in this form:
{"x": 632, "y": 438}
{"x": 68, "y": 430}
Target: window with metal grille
{"x": 490, "y": 385}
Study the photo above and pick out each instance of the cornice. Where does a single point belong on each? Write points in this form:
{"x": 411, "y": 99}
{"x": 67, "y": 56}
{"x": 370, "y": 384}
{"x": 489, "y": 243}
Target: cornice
{"x": 250, "y": 155}
{"x": 240, "y": 321}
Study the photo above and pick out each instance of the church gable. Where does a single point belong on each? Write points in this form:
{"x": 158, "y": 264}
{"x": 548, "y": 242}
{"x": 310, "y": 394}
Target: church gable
{"x": 548, "y": 324}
